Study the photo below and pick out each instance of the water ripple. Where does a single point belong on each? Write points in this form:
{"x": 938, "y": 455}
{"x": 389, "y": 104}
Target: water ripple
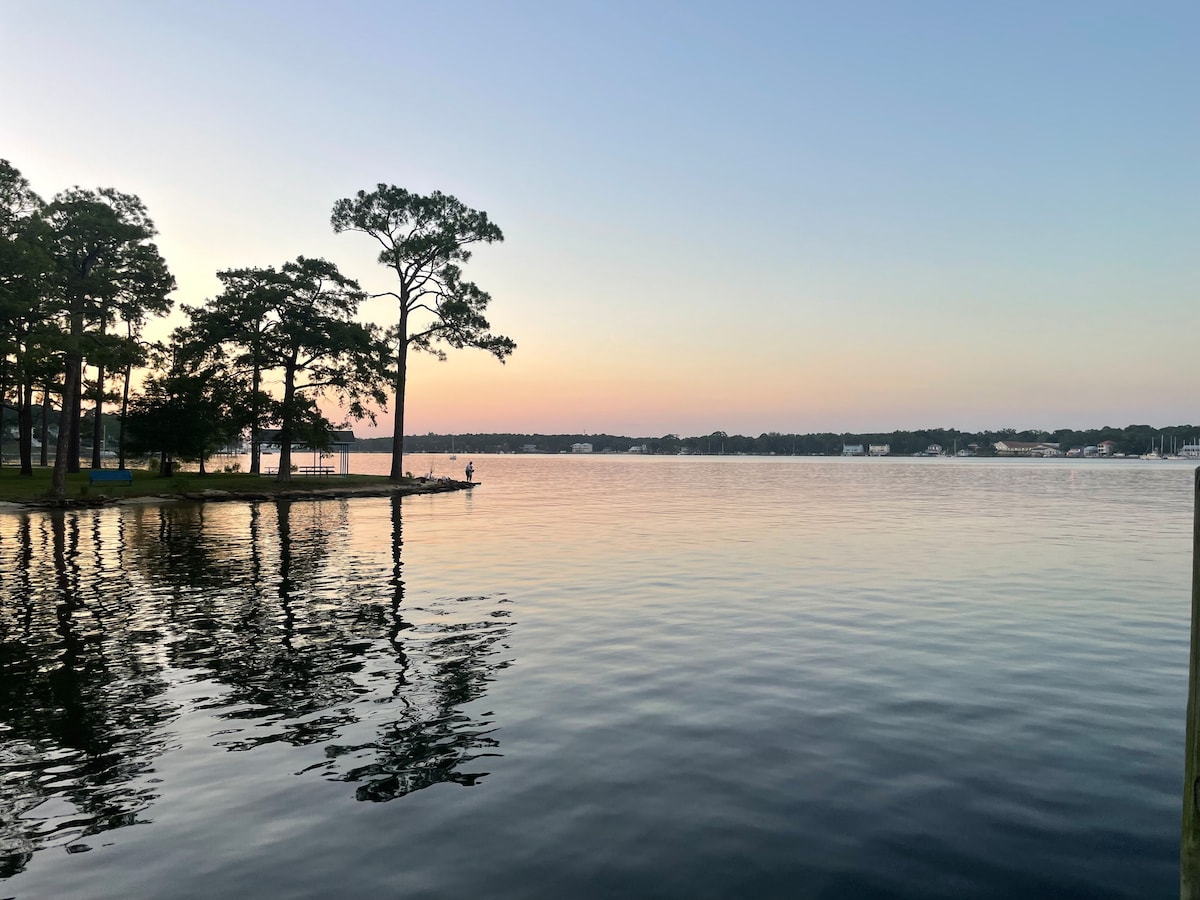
{"x": 731, "y": 677}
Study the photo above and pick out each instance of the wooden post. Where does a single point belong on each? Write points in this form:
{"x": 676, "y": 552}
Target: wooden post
{"x": 1189, "y": 842}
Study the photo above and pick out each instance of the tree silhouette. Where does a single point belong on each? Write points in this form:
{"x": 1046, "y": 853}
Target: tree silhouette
{"x": 423, "y": 240}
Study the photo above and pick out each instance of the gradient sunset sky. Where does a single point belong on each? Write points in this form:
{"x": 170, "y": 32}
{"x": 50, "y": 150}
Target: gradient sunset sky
{"x": 793, "y": 217}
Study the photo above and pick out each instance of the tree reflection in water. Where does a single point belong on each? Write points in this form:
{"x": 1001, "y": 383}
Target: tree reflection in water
{"x": 432, "y": 739}
{"x": 287, "y": 622}
{"x": 81, "y": 705}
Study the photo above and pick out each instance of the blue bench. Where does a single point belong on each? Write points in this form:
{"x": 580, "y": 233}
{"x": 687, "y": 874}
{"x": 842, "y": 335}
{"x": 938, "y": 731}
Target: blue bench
{"x": 120, "y": 476}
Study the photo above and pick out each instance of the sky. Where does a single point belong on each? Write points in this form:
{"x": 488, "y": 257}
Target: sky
{"x": 753, "y": 217}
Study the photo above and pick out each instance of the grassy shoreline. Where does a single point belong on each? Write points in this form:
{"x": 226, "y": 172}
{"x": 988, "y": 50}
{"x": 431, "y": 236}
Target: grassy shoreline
{"x": 192, "y": 485}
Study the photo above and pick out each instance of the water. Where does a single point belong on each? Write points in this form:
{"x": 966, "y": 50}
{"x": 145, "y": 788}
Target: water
{"x": 601, "y": 677}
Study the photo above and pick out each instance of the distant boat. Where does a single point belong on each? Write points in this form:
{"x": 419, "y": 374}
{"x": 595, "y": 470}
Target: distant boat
{"x": 1154, "y": 453}
{"x": 1176, "y": 451}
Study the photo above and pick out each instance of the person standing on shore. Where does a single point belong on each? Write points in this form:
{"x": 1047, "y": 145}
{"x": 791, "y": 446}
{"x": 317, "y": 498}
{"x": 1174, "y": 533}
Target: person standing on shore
{"x": 470, "y": 471}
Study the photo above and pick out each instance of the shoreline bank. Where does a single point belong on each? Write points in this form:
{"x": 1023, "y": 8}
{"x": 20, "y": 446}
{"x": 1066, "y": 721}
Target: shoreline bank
{"x": 276, "y": 491}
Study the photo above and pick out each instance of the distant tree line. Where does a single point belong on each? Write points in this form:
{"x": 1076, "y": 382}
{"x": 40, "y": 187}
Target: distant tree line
{"x": 1132, "y": 439}
{"x": 80, "y": 276}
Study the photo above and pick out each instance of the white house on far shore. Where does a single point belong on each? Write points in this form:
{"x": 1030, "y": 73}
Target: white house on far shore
{"x": 1026, "y": 448}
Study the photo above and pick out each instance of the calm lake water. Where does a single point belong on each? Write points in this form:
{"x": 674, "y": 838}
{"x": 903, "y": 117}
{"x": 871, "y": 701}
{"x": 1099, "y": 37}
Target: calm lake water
{"x": 600, "y": 677}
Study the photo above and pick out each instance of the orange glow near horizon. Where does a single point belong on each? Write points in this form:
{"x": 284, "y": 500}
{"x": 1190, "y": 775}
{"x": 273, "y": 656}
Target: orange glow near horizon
{"x": 472, "y": 393}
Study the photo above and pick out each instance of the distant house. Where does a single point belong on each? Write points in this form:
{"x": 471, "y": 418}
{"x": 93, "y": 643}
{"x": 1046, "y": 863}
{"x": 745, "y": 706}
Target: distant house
{"x": 581, "y": 448}
{"x": 529, "y": 448}
{"x": 1106, "y": 448}
{"x": 934, "y": 450}
{"x": 853, "y": 450}
{"x": 1026, "y": 448}
{"x": 879, "y": 450}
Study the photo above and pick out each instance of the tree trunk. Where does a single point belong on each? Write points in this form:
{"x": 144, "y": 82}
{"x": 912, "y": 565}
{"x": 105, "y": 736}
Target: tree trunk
{"x": 74, "y": 412}
{"x": 4, "y": 409}
{"x": 62, "y": 449}
{"x": 124, "y": 412}
{"x": 25, "y": 426}
{"x": 255, "y": 429}
{"x": 285, "y": 426}
{"x": 98, "y": 424}
{"x": 45, "y": 455}
{"x": 397, "y": 472}
{"x": 285, "y": 454}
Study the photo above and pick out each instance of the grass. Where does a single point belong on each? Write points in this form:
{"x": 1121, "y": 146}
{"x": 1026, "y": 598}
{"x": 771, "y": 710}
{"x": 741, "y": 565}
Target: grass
{"x": 14, "y": 488}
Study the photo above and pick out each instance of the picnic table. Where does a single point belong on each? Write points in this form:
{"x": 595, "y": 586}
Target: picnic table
{"x": 319, "y": 471}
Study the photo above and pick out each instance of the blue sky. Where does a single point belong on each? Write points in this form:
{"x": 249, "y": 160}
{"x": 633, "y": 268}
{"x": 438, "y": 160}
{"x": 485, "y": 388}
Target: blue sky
{"x": 761, "y": 217}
